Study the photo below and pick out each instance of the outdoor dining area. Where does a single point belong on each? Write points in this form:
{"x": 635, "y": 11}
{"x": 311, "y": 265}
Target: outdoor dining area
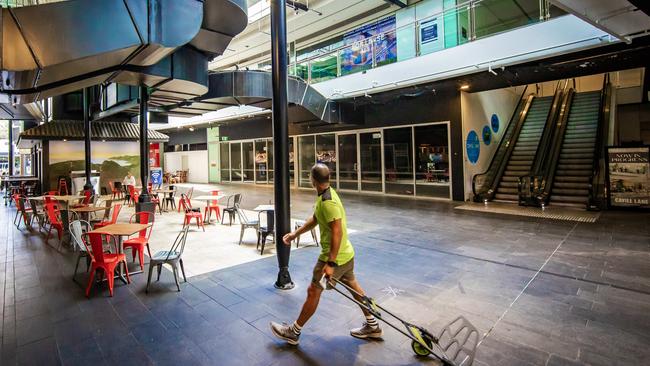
{"x": 190, "y": 230}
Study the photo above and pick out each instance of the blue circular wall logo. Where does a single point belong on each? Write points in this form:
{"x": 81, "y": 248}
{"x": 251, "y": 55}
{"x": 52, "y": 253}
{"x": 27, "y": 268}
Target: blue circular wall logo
{"x": 473, "y": 147}
{"x": 494, "y": 122}
{"x": 487, "y": 135}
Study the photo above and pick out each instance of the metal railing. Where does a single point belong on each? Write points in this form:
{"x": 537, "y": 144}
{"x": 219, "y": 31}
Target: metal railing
{"x": 597, "y": 192}
{"x": 484, "y": 184}
{"x": 372, "y": 52}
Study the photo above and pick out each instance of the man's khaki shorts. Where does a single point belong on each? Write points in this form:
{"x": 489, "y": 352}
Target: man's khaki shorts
{"x": 343, "y": 273}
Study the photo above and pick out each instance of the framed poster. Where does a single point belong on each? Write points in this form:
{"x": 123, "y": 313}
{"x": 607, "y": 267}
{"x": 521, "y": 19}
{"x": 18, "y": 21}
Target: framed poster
{"x": 628, "y": 179}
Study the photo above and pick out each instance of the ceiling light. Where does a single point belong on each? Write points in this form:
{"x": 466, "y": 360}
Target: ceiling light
{"x": 464, "y": 87}
{"x": 191, "y": 129}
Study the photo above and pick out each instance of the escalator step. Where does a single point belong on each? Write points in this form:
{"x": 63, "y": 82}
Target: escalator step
{"x": 506, "y": 190}
{"x": 510, "y": 179}
{"x": 571, "y": 192}
{"x": 569, "y": 199}
{"x": 574, "y": 161}
{"x": 505, "y": 184}
{"x": 499, "y": 197}
{"x": 574, "y": 167}
{"x": 569, "y": 179}
{"x": 577, "y": 150}
{"x": 573, "y": 173}
{"x": 571, "y": 185}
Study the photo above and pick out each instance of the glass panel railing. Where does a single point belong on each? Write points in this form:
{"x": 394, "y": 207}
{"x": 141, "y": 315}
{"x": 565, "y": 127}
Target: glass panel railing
{"x": 387, "y": 41}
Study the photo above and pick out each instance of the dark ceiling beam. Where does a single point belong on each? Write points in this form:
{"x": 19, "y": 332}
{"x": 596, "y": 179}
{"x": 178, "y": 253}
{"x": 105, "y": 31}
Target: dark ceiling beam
{"x": 642, "y": 5}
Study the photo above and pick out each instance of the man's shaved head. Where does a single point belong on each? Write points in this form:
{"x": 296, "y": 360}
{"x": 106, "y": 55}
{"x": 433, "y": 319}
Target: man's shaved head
{"x": 320, "y": 173}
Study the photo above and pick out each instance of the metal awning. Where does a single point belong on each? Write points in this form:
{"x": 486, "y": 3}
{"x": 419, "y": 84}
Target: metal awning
{"x": 100, "y": 131}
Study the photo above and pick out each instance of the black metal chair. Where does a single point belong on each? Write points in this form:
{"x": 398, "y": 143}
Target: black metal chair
{"x": 173, "y": 257}
{"x": 264, "y": 230}
{"x": 170, "y": 199}
{"x": 232, "y": 205}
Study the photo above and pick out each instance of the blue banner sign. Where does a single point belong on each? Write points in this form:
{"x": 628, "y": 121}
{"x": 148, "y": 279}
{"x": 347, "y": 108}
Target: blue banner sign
{"x": 379, "y": 35}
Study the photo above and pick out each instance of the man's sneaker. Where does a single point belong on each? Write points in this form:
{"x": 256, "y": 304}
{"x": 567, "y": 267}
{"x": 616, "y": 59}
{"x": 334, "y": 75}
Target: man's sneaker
{"x": 284, "y": 332}
{"x": 367, "y": 331}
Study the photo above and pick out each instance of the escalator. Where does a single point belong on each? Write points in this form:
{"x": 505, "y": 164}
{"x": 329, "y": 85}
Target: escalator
{"x": 525, "y": 149}
{"x": 572, "y": 178}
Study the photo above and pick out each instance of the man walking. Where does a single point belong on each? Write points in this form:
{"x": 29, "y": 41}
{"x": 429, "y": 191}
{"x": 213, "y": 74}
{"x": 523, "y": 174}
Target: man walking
{"x": 336, "y": 259}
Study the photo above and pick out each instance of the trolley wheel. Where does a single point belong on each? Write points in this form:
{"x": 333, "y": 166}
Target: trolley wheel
{"x": 419, "y": 349}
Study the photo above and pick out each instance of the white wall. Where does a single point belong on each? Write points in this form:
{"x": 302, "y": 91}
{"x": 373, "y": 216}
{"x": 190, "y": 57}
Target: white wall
{"x": 477, "y": 110}
{"x": 197, "y": 164}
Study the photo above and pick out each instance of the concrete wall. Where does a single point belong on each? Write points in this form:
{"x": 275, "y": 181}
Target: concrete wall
{"x": 195, "y": 162}
{"x": 477, "y": 110}
{"x": 633, "y": 121}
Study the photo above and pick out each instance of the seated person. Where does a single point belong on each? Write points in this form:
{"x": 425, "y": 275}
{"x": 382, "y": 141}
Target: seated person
{"x": 129, "y": 180}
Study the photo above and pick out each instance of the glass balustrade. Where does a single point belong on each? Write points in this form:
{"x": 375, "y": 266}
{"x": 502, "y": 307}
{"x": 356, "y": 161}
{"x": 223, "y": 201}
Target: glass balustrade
{"x": 21, "y": 3}
{"x": 392, "y": 39}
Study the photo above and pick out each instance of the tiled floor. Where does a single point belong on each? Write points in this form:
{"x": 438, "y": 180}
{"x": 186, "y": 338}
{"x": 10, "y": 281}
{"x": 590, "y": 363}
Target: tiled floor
{"x": 545, "y": 292}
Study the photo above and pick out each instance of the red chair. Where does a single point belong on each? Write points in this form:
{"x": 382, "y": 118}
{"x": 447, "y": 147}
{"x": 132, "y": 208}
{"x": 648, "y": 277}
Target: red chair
{"x": 115, "y": 191}
{"x": 182, "y": 203}
{"x": 116, "y": 212}
{"x": 63, "y": 187}
{"x": 138, "y": 243}
{"x": 133, "y": 194}
{"x": 107, "y": 262}
{"x": 191, "y": 213}
{"x": 54, "y": 219}
{"x": 52, "y": 193}
{"x": 213, "y": 206}
{"x": 86, "y": 200}
{"x": 22, "y": 212}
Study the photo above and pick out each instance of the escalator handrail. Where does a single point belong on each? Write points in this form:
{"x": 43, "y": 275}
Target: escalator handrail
{"x": 518, "y": 116}
{"x": 548, "y": 132}
{"x": 599, "y": 147}
{"x": 553, "y": 158}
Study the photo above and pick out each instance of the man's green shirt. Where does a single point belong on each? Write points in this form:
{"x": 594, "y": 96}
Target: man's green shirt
{"x": 329, "y": 208}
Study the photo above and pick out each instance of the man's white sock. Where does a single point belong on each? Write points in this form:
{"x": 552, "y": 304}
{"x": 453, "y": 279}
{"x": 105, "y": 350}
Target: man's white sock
{"x": 371, "y": 321}
{"x": 296, "y": 328}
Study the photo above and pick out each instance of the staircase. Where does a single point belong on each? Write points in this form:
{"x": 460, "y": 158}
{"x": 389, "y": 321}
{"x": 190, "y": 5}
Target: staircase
{"x": 523, "y": 154}
{"x": 573, "y": 172}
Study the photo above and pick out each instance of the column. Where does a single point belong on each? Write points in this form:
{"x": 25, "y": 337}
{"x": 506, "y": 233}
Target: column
{"x": 87, "y": 136}
{"x": 144, "y": 144}
{"x": 280, "y": 140}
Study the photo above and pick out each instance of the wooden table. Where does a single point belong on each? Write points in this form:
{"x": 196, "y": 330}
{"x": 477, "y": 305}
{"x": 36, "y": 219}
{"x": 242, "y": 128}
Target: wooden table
{"x": 86, "y": 210}
{"x": 119, "y": 231}
{"x": 208, "y": 198}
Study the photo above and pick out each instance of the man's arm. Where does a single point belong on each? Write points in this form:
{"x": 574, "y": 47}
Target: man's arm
{"x": 337, "y": 235}
{"x": 310, "y": 223}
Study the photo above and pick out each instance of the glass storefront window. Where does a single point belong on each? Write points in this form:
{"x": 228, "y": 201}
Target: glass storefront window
{"x": 224, "y": 165}
{"x": 269, "y": 154}
{"x": 261, "y": 163}
{"x": 347, "y": 162}
{"x": 248, "y": 161}
{"x": 398, "y": 161}
{"x": 307, "y": 159}
{"x": 494, "y": 16}
{"x": 292, "y": 158}
{"x": 326, "y": 154}
{"x": 432, "y": 161}
{"x": 235, "y": 162}
{"x": 370, "y": 164}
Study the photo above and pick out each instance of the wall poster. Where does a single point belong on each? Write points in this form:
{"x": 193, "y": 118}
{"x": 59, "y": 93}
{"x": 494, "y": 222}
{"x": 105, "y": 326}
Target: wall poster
{"x": 359, "y": 55}
{"x": 629, "y": 176}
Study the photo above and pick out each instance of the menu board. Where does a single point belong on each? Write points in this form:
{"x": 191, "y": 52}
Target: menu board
{"x": 629, "y": 176}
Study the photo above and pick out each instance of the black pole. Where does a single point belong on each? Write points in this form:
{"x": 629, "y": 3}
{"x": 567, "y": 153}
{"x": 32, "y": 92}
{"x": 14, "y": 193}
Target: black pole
{"x": 11, "y": 147}
{"x": 280, "y": 140}
{"x": 87, "y": 136}
{"x": 144, "y": 144}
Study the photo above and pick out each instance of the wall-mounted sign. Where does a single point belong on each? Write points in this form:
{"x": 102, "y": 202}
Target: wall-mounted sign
{"x": 379, "y": 37}
{"x": 494, "y": 122}
{"x": 224, "y": 138}
{"x": 487, "y": 135}
{"x": 429, "y": 31}
{"x": 473, "y": 147}
{"x": 156, "y": 176}
{"x": 629, "y": 176}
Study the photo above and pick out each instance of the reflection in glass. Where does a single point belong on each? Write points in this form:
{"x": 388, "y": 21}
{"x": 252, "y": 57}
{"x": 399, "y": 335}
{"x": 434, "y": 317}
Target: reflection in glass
{"x": 224, "y": 165}
{"x": 432, "y": 161}
{"x": 248, "y": 161}
{"x": 235, "y": 162}
{"x": 269, "y": 155}
{"x": 398, "y": 160}
{"x": 494, "y": 16}
{"x": 326, "y": 154}
{"x": 261, "y": 167}
{"x": 347, "y": 160}
{"x": 370, "y": 149}
{"x": 307, "y": 158}
{"x": 324, "y": 68}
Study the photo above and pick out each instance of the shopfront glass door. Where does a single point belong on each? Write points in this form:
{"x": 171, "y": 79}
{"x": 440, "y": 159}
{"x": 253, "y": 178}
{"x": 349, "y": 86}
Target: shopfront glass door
{"x": 261, "y": 162}
{"x": 307, "y": 154}
{"x": 235, "y": 162}
{"x": 370, "y": 161}
{"x": 248, "y": 161}
{"x": 347, "y": 162}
